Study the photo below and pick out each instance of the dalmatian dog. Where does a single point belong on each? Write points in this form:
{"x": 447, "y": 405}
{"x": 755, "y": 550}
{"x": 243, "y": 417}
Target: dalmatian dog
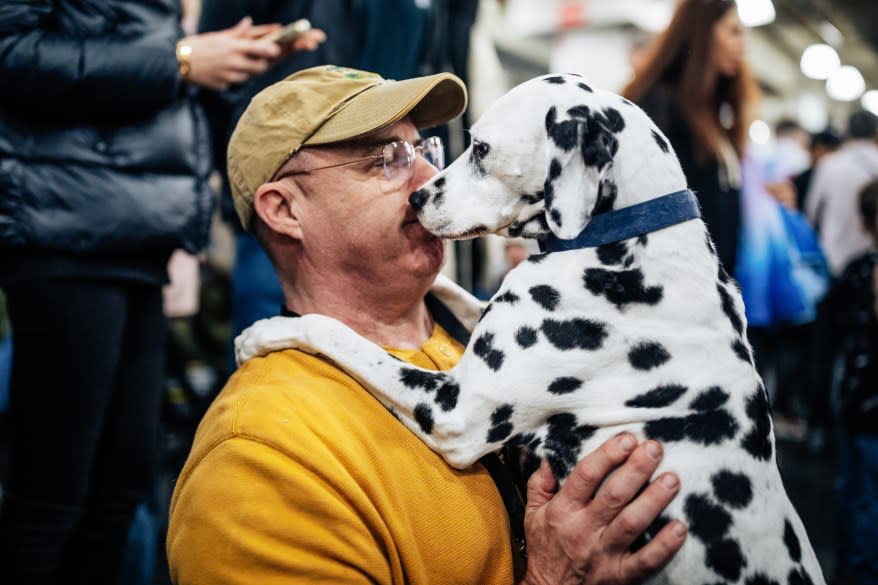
{"x": 644, "y": 335}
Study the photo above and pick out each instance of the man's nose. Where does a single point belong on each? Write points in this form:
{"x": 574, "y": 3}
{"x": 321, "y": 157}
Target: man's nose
{"x": 418, "y": 199}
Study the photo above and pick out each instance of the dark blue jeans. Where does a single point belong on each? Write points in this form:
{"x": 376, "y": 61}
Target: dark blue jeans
{"x": 85, "y": 393}
{"x": 857, "y": 489}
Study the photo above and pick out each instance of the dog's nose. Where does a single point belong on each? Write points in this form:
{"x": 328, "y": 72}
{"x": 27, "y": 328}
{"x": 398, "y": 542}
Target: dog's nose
{"x": 418, "y": 198}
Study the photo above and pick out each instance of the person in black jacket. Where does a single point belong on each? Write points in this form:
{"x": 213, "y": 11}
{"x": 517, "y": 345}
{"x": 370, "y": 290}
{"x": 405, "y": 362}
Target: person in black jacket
{"x": 695, "y": 85}
{"x": 104, "y": 161}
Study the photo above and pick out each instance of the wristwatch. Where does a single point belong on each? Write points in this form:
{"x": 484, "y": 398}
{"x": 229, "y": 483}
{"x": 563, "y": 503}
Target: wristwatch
{"x": 184, "y": 58}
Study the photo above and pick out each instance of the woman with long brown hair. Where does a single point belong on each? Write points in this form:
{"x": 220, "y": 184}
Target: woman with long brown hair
{"x": 695, "y": 85}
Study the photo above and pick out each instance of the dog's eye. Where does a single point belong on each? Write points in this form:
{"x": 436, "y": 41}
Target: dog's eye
{"x": 480, "y": 149}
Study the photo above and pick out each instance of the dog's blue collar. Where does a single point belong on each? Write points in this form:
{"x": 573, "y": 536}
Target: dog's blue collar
{"x": 629, "y": 222}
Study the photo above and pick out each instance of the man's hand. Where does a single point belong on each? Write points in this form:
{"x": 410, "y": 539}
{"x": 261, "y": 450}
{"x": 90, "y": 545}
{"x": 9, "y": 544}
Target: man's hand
{"x": 582, "y": 532}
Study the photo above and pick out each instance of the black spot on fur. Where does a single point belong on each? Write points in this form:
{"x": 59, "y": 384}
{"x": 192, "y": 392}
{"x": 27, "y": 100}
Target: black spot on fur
{"x": 648, "y": 355}
{"x": 500, "y": 425}
{"x": 759, "y": 579}
{"x": 574, "y": 333}
{"x": 707, "y": 521}
{"x": 792, "y": 541}
{"x": 711, "y": 399}
{"x": 528, "y": 440}
{"x": 439, "y": 183}
{"x": 579, "y": 112}
{"x": 537, "y": 258}
{"x": 412, "y": 378}
{"x": 424, "y": 417}
{"x": 658, "y": 397}
{"x": 731, "y": 488}
{"x": 584, "y": 86}
{"x": 758, "y": 441}
{"x": 741, "y": 351}
{"x": 611, "y": 254}
{"x": 563, "y": 442}
{"x": 556, "y": 79}
{"x": 507, "y": 297}
{"x": 447, "y": 395}
{"x": 564, "y": 385}
{"x": 526, "y": 337}
{"x": 606, "y": 200}
{"x": 567, "y": 134}
{"x": 725, "y": 557}
{"x": 556, "y": 217}
{"x": 545, "y": 296}
{"x": 483, "y": 347}
{"x": 531, "y": 199}
{"x": 728, "y": 305}
{"x": 642, "y": 240}
{"x": 704, "y": 428}
{"x": 614, "y": 121}
{"x": 660, "y": 140}
{"x": 554, "y": 170}
{"x": 798, "y": 576}
{"x": 621, "y": 287}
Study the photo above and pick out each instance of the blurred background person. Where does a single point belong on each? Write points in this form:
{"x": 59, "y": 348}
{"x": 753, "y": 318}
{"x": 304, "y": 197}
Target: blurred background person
{"x": 821, "y": 143}
{"x": 97, "y": 192}
{"x": 832, "y": 197}
{"x": 855, "y": 341}
{"x": 694, "y": 83}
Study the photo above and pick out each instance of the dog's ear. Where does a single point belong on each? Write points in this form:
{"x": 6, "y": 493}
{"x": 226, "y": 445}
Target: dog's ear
{"x": 579, "y": 151}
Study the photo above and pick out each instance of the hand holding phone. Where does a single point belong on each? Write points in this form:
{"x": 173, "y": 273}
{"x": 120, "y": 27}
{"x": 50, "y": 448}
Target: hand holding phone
{"x": 290, "y": 32}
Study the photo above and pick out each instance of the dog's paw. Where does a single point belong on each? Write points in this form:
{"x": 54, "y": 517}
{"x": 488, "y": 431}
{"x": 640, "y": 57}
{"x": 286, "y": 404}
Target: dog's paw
{"x": 279, "y": 333}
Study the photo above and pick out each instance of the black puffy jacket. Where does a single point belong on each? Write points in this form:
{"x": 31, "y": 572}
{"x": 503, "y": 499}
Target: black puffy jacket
{"x": 103, "y": 154}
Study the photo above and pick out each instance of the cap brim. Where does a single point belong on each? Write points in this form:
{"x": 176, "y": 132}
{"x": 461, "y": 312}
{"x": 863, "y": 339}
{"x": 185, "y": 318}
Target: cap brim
{"x": 429, "y": 101}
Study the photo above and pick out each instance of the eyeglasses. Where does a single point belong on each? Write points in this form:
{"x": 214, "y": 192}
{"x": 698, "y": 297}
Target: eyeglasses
{"x": 398, "y": 160}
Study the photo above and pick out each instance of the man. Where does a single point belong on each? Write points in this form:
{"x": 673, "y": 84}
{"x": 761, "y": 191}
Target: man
{"x": 297, "y": 473}
{"x": 831, "y": 204}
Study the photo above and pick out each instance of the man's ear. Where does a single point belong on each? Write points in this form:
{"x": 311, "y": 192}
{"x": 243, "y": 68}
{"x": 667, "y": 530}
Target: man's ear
{"x": 274, "y": 204}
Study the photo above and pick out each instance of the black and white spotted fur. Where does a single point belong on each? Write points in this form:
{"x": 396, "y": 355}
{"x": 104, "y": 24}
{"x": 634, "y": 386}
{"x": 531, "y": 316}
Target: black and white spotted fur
{"x": 645, "y": 335}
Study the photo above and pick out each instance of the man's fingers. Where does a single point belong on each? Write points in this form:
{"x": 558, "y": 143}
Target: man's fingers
{"x": 655, "y": 554}
{"x": 259, "y": 48}
{"x": 639, "y": 514}
{"x": 589, "y": 473}
{"x": 625, "y": 483}
{"x": 541, "y": 486}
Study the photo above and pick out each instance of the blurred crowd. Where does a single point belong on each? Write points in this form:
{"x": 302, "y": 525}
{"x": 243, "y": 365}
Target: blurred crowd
{"x": 126, "y": 274}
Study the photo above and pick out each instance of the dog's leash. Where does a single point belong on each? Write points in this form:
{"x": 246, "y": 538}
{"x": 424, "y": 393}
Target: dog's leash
{"x": 630, "y": 222}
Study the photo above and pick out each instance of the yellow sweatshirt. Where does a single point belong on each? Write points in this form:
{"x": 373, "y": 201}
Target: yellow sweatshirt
{"x": 298, "y": 475}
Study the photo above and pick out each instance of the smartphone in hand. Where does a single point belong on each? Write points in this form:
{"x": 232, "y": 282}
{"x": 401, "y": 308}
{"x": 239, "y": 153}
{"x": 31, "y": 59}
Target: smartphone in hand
{"x": 290, "y": 32}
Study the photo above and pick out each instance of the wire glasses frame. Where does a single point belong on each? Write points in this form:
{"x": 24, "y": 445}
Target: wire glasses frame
{"x": 397, "y": 158}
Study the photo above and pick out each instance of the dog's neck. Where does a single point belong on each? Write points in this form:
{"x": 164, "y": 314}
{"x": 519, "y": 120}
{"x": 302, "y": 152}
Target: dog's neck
{"x": 634, "y": 178}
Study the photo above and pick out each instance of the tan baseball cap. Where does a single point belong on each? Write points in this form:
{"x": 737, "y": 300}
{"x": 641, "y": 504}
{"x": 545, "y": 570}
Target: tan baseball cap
{"x": 323, "y": 105}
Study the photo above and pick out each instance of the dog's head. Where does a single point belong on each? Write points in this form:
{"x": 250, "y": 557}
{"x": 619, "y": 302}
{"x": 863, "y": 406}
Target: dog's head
{"x": 539, "y": 160}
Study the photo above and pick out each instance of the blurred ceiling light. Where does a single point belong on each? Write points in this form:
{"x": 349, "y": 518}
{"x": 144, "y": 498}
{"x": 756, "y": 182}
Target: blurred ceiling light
{"x": 819, "y": 61}
{"x": 760, "y": 133}
{"x": 870, "y": 101}
{"x": 756, "y": 12}
{"x": 846, "y": 84}
{"x": 652, "y": 16}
